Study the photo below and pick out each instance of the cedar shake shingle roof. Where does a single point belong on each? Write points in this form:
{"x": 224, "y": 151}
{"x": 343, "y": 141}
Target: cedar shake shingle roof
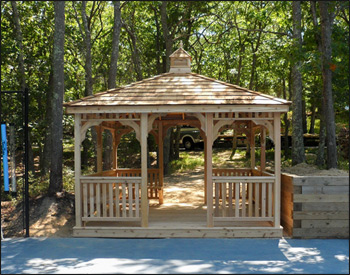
{"x": 178, "y": 89}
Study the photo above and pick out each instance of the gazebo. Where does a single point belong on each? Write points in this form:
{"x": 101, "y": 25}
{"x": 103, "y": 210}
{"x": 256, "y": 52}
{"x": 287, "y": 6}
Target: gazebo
{"x": 238, "y": 202}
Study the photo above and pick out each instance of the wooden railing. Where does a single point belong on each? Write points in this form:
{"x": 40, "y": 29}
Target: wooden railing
{"x": 239, "y": 195}
{"x": 110, "y": 198}
{"x": 154, "y": 182}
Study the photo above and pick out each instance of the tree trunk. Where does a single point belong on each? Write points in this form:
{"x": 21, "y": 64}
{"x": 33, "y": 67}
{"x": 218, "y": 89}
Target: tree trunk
{"x": 167, "y": 36}
{"x": 326, "y": 37}
{"x": 286, "y": 122}
{"x": 313, "y": 117}
{"x": 88, "y": 77}
{"x": 304, "y": 116}
{"x": 298, "y": 153}
{"x": 322, "y": 137}
{"x": 46, "y": 156}
{"x": 88, "y": 59}
{"x": 21, "y": 74}
{"x": 56, "y": 183}
{"x": 177, "y": 142}
{"x": 112, "y": 74}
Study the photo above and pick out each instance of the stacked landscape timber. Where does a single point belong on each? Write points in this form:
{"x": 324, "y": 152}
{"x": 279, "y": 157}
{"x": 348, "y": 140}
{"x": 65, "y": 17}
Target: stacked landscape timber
{"x": 315, "y": 206}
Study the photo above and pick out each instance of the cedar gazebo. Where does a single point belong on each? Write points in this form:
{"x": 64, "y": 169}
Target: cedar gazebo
{"x": 239, "y": 202}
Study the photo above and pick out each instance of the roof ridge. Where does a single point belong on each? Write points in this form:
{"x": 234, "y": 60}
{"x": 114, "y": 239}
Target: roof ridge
{"x": 242, "y": 88}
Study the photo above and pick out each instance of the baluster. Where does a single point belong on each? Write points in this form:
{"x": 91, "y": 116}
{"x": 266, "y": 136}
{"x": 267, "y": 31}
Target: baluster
{"x": 237, "y": 191}
{"x": 92, "y": 201}
{"x": 123, "y": 200}
{"x": 243, "y": 199}
{"x": 110, "y": 201}
{"x": 137, "y": 200}
{"x": 98, "y": 199}
{"x": 269, "y": 197}
{"x": 263, "y": 199}
{"x": 257, "y": 199}
{"x": 85, "y": 200}
{"x": 104, "y": 200}
{"x": 230, "y": 186}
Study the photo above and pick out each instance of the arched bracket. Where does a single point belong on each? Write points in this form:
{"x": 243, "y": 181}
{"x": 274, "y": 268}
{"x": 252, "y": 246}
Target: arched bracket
{"x": 85, "y": 127}
{"x": 202, "y": 120}
{"x": 135, "y": 126}
{"x": 266, "y": 124}
{"x": 219, "y": 125}
{"x": 151, "y": 119}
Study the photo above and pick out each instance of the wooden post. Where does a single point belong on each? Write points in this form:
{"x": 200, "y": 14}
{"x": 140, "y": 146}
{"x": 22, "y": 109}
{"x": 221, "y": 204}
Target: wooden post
{"x": 99, "y": 148}
{"x": 160, "y": 160}
{"x": 252, "y": 146}
{"x": 209, "y": 167}
{"x": 77, "y": 168}
{"x": 144, "y": 197}
{"x": 277, "y": 186}
{"x": 262, "y": 149}
{"x": 205, "y": 169}
{"x": 115, "y": 150}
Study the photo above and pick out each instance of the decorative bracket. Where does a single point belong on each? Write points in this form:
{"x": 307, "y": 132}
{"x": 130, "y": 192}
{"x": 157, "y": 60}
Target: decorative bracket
{"x": 135, "y": 126}
{"x": 85, "y": 127}
{"x": 266, "y": 124}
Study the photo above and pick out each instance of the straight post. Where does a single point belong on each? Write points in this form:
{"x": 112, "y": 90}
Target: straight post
{"x": 277, "y": 186}
{"x": 144, "y": 197}
{"x": 209, "y": 168}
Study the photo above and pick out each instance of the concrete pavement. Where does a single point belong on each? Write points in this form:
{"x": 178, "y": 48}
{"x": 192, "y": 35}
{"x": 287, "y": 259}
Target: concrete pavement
{"x": 174, "y": 256}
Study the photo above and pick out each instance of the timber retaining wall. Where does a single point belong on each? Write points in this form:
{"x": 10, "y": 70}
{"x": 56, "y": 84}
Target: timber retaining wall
{"x": 315, "y": 206}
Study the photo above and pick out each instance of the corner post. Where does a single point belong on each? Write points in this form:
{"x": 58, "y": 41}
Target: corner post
{"x": 77, "y": 168}
{"x": 144, "y": 197}
{"x": 277, "y": 186}
{"x": 160, "y": 160}
{"x": 209, "y": 168}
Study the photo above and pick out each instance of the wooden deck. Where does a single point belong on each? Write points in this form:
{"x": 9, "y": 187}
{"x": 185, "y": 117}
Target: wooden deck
{"x": 179, "y": 220}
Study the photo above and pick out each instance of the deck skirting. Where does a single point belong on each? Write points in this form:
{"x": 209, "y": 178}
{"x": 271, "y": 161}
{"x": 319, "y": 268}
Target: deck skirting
{"x": 199, "y": 232}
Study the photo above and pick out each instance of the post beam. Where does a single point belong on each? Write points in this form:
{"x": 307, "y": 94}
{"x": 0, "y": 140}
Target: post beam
{"x": 160, "y": 160}
{"x": 77, "y": 169}
{"x": 277, "y": 186}
{"x": 144, "y": 197}
{"x": 209, "y": 168}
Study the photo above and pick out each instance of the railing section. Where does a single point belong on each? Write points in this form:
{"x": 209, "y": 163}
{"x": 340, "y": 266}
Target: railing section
{"x": 153, "y": 181}
{"x": 239, "y": 195}
{"x": 111, "y": 198}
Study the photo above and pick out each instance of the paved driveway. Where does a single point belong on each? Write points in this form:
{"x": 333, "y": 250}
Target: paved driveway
{"x": 170, "y": 256}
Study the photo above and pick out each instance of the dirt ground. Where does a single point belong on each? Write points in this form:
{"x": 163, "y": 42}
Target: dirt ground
{"x": 54, "y": 216}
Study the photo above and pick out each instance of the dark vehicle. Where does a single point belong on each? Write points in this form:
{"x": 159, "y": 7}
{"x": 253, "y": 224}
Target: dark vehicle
{"x": 189, "y": 137}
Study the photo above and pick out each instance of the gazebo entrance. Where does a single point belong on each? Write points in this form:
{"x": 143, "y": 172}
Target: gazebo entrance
{"x": 239, "y": 202}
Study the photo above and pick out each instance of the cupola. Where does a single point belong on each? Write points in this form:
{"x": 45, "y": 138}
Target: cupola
{"x": 180, "y": 61}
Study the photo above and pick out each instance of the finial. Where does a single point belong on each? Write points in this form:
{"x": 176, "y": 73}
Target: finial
{"x": 181, "y": 44}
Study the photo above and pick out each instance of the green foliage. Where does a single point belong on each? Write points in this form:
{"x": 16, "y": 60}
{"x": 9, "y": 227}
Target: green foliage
{"x": 223, "y": 38}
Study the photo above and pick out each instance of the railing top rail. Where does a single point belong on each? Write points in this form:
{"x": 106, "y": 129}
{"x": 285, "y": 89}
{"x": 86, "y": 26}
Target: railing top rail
{"x": 218, "y": 179}
{"x": 110, "y": 179}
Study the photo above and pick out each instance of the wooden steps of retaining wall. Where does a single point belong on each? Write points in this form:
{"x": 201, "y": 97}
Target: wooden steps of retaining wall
{"x": 199, "y": 232}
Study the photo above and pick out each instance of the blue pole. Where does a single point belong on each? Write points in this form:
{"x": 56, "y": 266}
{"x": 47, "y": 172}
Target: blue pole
{"x": 4, "y": 157}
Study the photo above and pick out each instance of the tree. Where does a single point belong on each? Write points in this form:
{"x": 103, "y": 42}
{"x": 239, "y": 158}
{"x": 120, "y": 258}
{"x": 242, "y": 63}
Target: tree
{"x": 327, "y": 16}
{"x": 112, "y": 74}
{"x": 21, "y": 72}
{"x": 298, "y": 154}
{"x": 56, "y": 183}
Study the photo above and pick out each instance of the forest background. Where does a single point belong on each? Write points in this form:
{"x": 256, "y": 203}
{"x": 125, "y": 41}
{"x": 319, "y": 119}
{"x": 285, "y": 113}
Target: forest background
{"x": 62, "y": 51}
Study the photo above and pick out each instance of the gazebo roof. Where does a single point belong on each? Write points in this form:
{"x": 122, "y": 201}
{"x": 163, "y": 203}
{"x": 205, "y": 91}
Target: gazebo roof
{"x": 178, "y": 89}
